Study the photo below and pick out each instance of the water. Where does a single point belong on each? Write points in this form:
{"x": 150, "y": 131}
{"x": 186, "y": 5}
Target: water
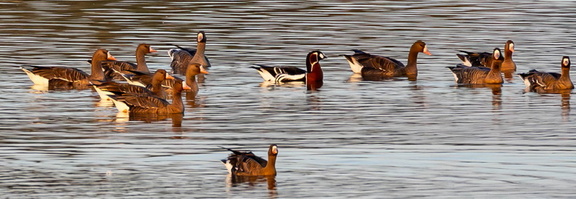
{"x": 384, "y": 139}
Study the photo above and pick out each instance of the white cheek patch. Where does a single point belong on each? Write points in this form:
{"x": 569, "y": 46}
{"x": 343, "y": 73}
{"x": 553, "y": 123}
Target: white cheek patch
{"x": 566, "y": 62}
{"x": 496, "y": 54}
{"x": 200, "y": 37}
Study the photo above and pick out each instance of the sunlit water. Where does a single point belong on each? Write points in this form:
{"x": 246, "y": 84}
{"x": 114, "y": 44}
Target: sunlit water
{"x": 383, "y": 139}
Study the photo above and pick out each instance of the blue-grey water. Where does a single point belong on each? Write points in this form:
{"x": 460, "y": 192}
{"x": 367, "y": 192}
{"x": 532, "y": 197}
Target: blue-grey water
{"x": 352, "y": 138}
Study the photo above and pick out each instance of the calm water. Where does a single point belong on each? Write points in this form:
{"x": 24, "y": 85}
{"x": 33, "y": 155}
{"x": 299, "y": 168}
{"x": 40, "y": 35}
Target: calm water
{"x": 387, "y": 139}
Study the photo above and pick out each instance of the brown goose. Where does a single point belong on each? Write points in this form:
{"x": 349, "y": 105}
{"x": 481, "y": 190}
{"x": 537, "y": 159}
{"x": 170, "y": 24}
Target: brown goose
{"x": 245, "y": 163}
{"x": 508, "y": 66}
{"x": 181, "y": 57}
{"x": 549, "y": 82}
{"x": 373, "y": 67}
{"x": 112, "y": 68}
{"x": 149, "y": 104}
{"x": 145, "y": 79}
{"x": 69, "y": 78}
{"x": 109, "y": 88}
{"x": 193, "y": 70}
{"x": 464, "y": 75}
{"x": 484, "y": 59}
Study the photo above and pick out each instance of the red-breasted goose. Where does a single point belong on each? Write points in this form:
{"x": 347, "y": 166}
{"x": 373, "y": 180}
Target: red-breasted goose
{"x": 548, "y": 82}
{"x": 375, "y": 67}
{"x": 109, "y": 88}
{"x": 313, "y": 72}
{"x": 245, "y": 163}
{"x": 465, "y": 75}
{"x": 150, "y": 104}
{"x": 67, "y": 77}
{"x": 181, "y": 57}
{"x": 113, "y": 68}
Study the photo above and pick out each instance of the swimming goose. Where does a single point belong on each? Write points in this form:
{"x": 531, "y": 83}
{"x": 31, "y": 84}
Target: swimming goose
{"x": 149, "y": 104}
{"x": 193, "y": 70}
{"x": 378, "y": 67}
{"x": 245, "y": 163}
{"x": 484, "y": 59}
{"x": 549, "y": 82}
{"x": 67, "y": 77}
{"x": 145, "y": 79}
{"x": 109, "y": 88}
{"x": 181, "y": 57}
{"x": 508, "y": 66}
{"x": 112, "y": 68}
{"x": 313, "y": 72}
{"x": 480, "y": 75}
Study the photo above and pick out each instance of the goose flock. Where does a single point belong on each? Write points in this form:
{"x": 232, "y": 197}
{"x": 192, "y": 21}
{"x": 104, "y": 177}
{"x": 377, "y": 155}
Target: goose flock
{"x": 134, "y": 89}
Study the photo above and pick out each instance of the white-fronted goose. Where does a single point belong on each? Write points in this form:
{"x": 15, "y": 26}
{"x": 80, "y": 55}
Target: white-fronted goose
{"x": 313, "y": 72}
{"x": 193, "y": 70}
{"x": 549, "y": 82}
{"x": 145, "y": 79}
{"x": 484, "y": 59}
{"x": 374, "y": 67}
{"x": 245, "y": 163}
{"x": 112, "y": 68}
{"x": 464, "y": 75}
{"x": 109, "y": 88}
{"x": 508, "y": 66}
{"x": 150, "y": 104}
{"x": 69, "y": 78}
{"x": 181, "y": 57}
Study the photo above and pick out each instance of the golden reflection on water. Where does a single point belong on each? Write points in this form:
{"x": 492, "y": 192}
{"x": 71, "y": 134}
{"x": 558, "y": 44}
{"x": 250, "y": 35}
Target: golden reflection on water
{"x": 252, "y": 182}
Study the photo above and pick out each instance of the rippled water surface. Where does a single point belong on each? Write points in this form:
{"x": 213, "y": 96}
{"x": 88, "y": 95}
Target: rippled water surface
{"x": 351, "y": 138}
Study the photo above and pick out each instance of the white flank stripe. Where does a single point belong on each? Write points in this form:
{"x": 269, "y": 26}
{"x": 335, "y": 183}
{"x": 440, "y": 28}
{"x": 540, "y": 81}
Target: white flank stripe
{"x": 37, "y": 79}
{"x": 265, "y": 75}
{"x": 103, "y": 94}
{"x": 121, "y": 106}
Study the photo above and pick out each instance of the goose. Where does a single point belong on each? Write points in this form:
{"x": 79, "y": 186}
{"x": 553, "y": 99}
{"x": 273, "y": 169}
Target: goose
{"x": 508, "y": 66}
{"x": 484, "y": 59}
{"x": 378, "y": 67}
{"x": 181, "y": 57}
{"x": 68, "y": 77}
{"x": 313, "y": 72}
{"x": 108, "y": 88}
{"x": 480, "y": 75}
{"x": 145, "y": 79}
{"x": 113, "y": 68}
{"x": 548, "y": 81}
{"x": 193, "y": 70}
{"x": 149, "y": 104}
{"x": 245, "y": 163}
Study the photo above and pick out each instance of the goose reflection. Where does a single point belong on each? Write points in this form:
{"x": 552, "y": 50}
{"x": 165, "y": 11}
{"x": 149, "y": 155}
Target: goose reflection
{"x": 251, "y": 181}
{"x": 176, "y": 118}
{"x": 496, "y": 93}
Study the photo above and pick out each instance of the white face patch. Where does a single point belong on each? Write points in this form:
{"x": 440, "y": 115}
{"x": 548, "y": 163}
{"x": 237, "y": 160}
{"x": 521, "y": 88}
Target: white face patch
{"x": 566, "y": 62}
{"x": 496, "y": 54}
{"x": 200, "y": 37}
{"x": 274, "y": 149}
